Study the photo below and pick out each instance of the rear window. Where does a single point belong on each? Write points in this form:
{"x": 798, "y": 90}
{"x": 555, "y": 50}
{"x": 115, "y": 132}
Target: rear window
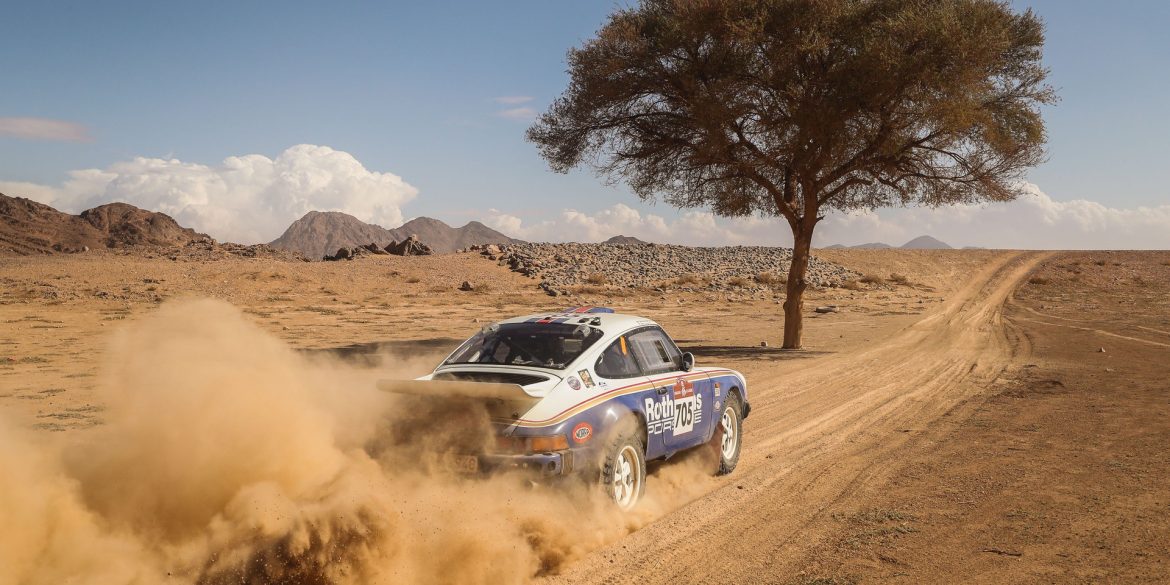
{"x": 550, "y": 345}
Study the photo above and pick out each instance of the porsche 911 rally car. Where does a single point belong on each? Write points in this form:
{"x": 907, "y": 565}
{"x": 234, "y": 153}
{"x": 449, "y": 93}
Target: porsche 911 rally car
{"x": 590, "y": 392}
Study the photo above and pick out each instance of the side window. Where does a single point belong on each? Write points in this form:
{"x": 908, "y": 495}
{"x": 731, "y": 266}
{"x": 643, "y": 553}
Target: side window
{"x": 655, "y": 351}
{"x": 617, "y": 361}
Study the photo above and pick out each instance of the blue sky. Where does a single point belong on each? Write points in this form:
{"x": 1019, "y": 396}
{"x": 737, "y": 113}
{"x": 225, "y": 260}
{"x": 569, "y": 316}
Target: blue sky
{"x": 414, "y": 89}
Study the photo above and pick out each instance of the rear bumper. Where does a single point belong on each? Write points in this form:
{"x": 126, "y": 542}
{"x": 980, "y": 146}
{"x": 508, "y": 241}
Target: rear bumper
{"x": 558, "y": 463}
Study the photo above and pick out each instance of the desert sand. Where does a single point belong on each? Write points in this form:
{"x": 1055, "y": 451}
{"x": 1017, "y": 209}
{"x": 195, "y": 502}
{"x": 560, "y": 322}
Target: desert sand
{"x": 992, "y": 416}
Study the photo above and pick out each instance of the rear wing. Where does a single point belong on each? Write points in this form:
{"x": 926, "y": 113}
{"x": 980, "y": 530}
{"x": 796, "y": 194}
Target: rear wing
{"x": 512, "y": 393}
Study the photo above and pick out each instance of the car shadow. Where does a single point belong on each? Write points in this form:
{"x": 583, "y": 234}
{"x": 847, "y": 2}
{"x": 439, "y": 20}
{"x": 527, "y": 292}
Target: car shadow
{"x": 371, "y": 354}
{"x": 751, "y": 352}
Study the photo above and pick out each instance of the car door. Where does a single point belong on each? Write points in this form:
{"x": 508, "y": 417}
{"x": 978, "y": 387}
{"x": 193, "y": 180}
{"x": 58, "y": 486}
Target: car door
{"x": 683, "y": 418}
{"x": 616, "y": 369}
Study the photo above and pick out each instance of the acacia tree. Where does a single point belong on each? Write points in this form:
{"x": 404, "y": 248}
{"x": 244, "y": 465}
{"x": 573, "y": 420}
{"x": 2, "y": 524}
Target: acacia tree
{"x": 794, "y": 108}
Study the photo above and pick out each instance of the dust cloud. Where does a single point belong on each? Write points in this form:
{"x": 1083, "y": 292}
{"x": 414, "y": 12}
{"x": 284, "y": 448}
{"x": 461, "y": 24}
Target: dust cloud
{"x": 228, "y": 457}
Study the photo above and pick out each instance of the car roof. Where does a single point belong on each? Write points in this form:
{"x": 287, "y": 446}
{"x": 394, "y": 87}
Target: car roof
{"x": 601, "y": 317}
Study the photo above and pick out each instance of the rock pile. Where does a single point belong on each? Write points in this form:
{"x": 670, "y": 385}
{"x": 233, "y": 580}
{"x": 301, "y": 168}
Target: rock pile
{"x": 561, "y": 266}
{"x": 411, "y": 246}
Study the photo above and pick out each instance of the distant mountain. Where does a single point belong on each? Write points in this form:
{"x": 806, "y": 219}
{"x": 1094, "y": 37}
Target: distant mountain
{"x": 623, "y": 240}
{"x": 322, "y": 232}
{"x": 28, "y": 227}
{"x": 869, "y": 246}
{"x": 926, "y": 243}
{"x": 919, "y": 243}
{"x": 444, "y": 238}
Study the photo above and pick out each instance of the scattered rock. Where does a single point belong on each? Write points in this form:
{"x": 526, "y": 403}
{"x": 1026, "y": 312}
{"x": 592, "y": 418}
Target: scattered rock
{"x": 763, "y": 344}
{"x": 342, "y": 254}
{"x": 729, "y": 268}
{"x": 1102, "y": 350}
{"x": 411, "y": 246}
{"x": 466, "y": 287}
{"x": 827, "y": 309}
{"x": 375, "y": 249}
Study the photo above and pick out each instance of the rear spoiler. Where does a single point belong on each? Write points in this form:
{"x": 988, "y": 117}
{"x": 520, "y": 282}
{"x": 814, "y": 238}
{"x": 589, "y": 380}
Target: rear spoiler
{"x": 473, "y": 390}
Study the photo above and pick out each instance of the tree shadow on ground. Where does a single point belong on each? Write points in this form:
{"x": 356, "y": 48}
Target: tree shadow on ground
{"x": 751, "y": 352}
{"x": 371, "y": 354}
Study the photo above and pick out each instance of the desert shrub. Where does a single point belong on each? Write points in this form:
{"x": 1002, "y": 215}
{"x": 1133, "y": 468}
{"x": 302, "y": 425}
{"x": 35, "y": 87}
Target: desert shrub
{"x": 899, "y": 279}
{"x": 851, "y": 285}
{"x": 1100, "y": 262}
{"x": 769, "y": 279}
{"x": 597, "y": 279}
{"x": 1166, "y": 263}
{"x": 738, "y": 281}
{"x": 689, "y": 278}
{"x": 1038, "y": 280}
{"x": 872, "y": 279}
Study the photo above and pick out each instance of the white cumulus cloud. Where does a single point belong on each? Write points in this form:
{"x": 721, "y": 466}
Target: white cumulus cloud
{"x": 247, "y": 199}
{"x": 1034, "y": 221}
{"x": 689, "y": 228}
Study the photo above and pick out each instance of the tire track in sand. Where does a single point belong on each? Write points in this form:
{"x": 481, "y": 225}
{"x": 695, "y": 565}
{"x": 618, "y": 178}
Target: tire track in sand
{"x": 818, "y": 433}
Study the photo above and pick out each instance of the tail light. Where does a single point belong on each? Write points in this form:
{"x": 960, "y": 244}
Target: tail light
{"x": 532, "y": 444}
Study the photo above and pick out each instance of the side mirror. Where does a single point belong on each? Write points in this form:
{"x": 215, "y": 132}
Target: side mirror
{"x": 688, "y": 361}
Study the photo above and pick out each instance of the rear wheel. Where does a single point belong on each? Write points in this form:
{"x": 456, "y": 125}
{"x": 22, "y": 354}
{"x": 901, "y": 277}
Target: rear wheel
{"x": 623, "y": 472}
{"x": 725, "y": 441}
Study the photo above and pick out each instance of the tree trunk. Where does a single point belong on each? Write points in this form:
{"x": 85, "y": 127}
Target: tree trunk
{"x": 794, "y": 297}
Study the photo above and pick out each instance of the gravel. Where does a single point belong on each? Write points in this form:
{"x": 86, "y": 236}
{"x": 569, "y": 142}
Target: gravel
{"x": 562, "y": 266}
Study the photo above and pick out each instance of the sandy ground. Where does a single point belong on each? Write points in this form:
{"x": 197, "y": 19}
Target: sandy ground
{"x": 963, "y": 422}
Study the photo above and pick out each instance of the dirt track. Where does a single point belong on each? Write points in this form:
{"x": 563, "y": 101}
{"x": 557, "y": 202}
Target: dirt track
{"x": 959, "y": 424}
{"x": 816, "y": 433}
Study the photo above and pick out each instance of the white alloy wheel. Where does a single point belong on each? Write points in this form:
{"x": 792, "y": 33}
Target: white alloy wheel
{"x": 729, "y": 444}
{"x": 725, "y": 441}
{"x": 623, "y": 473}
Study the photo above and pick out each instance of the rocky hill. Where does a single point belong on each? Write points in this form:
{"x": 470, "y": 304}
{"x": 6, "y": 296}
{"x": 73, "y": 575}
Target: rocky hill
{"x": 619, "y": 239}
{"x": 919, "y": 243}
{"x": 443, "y": 238}
{"x": 321, "y": 233}
{"x": 28, "y": 227}
{"x": 562, "y": 266}
{"x": 926, "y": 243}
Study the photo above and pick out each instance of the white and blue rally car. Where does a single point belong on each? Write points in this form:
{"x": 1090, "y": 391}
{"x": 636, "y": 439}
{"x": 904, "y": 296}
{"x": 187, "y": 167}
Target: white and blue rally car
{"x": 592, "y": 393}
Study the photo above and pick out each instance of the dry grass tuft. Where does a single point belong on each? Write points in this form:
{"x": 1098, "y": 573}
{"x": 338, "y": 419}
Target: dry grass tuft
{"x": 739, "y": 281}
{"x": 872, "y": 279}
{"x": 689, "y": 279}
{"x": 769, "y": 279}
{"x": 1038, "y": 280}
{"x": 851, "y": 285}
{"x": 899, "y": 279}
{"x": 597, "y": 279}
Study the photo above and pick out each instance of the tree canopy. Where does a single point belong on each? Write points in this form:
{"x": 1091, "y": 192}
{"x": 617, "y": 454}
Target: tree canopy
{"x": 796, "y": 107}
